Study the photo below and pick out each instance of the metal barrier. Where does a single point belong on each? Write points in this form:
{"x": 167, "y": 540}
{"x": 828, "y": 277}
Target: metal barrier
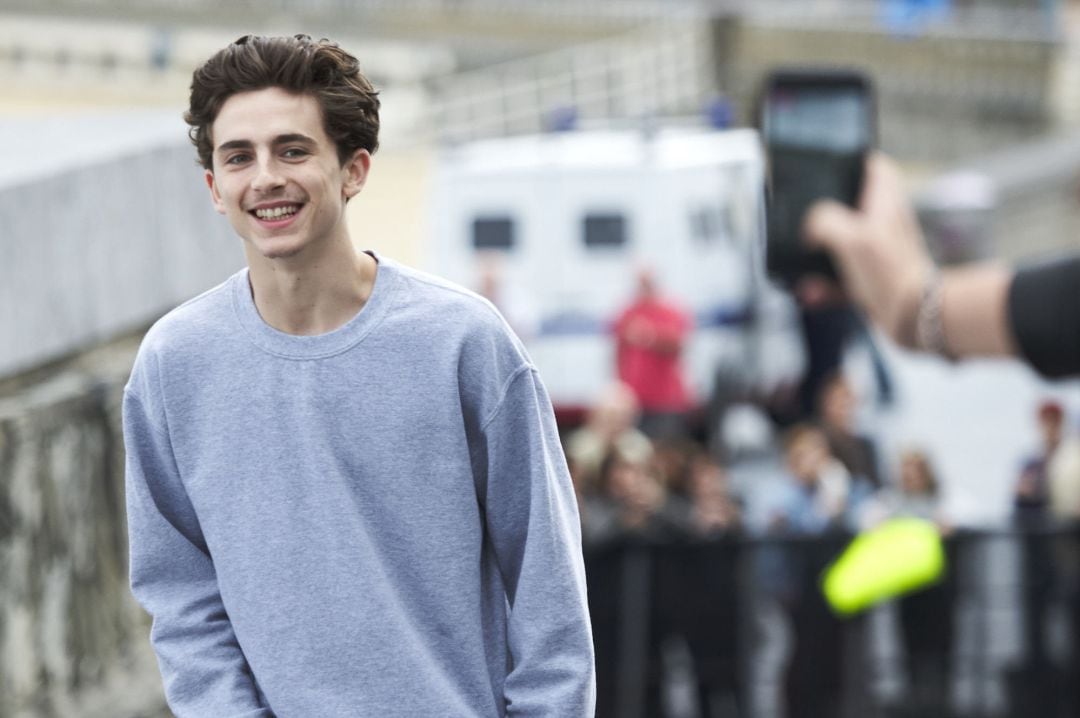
{"x": 738, "y": 627}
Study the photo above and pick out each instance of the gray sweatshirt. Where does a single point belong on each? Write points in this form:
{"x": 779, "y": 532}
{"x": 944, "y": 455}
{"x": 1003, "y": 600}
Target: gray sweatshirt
{"x": 377, "y": 521}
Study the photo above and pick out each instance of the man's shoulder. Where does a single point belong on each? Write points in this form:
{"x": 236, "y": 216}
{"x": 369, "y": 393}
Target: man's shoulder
{"x": 449, "y": 315}
{"x": 436, "y": 287}
{"x": 446, "y": 300}
{"x": 177, "y": 340}
{"x": 189, "y": 323}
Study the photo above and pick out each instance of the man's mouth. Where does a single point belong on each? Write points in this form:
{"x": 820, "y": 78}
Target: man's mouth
{"x": 277, "y": 213}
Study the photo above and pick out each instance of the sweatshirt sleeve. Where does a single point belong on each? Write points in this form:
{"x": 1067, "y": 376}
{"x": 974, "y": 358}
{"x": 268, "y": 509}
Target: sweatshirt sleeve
{"x": 172, "y": 576}
{"x": 1044, "y": 311}
{"x": 533, "y": 525}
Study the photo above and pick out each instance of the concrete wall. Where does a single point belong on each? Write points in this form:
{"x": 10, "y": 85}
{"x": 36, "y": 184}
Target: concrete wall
{"x": 73, "y": 642}
{"x": 103, "y": 242}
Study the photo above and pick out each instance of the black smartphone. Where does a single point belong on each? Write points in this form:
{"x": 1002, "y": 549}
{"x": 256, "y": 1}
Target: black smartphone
{"x": 817, "y": 126}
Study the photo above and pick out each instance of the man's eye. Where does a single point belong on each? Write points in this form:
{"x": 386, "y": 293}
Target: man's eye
{"x": 237, "y": 159}
{"x": 294, "y": 153}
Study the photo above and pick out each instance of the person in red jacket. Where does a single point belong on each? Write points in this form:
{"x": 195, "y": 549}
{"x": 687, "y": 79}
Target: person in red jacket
{"x": 649, "y": 339}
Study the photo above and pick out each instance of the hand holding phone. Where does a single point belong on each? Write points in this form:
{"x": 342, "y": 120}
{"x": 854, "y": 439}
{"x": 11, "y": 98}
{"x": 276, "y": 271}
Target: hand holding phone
{"x": 818, "y": 127}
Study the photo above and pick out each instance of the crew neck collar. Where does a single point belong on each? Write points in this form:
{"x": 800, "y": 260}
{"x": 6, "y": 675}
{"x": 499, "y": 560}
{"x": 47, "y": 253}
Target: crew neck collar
{"x": 315, "y": 346}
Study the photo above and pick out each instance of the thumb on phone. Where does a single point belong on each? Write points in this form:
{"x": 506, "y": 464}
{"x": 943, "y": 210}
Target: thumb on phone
{"x": 831, "y": 226}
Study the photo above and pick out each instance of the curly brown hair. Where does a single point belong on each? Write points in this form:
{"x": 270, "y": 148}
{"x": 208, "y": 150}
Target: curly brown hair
{"x": 349, "y": 102}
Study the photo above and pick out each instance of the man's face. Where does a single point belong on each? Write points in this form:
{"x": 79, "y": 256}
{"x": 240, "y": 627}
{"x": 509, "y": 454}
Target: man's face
{"x": 276, "y": 174}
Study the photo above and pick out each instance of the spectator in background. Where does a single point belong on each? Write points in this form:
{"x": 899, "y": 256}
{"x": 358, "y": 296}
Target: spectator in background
{"x": 1063, "y": 474}
{"x": 818, "y": 495}
{"x": 631, "y": 502}
{"x": 673, "y": 459}
{"x": 1031, "y": 492}
{"x": 827, "y": 329}
{"x": 837, "y": 404}
{"x": 926, "y": 617}
{"x": 1031, "y": 499}
{"x": 610, "y": 424}
{"x": 713, "y": 510}
{"x": 1052, "y": 577}
{"x": 1043, "y": 497}
{"x": 818, "y": 504}
{"x": 649, "y": 338}
{"x": 918, "y": 494}
{"x": 1049, "y": 482}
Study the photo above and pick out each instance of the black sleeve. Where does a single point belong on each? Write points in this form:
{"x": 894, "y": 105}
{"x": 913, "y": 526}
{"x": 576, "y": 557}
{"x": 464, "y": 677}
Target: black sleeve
{"x": 1044, "y": 311}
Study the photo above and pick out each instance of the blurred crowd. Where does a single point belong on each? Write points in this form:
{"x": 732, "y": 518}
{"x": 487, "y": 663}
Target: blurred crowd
{"x": 650, "y": 469}
{"x": 644, "y": 464}
{"x": 674, "y": 485}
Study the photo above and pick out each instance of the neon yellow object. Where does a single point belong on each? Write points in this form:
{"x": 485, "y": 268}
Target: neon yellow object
{"x": 897, "y": 557}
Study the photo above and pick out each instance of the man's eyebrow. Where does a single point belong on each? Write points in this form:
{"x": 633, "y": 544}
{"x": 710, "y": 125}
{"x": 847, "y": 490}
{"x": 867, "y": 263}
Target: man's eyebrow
{"x": 235, "y": 145}
{"x": 279, "y": 140}
{"x": 294, "y": 137}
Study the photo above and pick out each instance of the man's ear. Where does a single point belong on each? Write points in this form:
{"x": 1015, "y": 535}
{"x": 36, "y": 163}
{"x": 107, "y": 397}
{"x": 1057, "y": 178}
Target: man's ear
{"x": 356, "y": 170}
{"x": 215, "y": 196}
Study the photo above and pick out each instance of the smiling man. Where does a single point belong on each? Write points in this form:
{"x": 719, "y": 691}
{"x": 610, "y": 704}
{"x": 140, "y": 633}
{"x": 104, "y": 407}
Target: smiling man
{"x": 345, "y": 491}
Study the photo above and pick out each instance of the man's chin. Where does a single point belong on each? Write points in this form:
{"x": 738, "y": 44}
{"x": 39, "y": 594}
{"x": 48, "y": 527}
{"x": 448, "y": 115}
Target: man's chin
{"x": 282, "y": 253}
{"x": 275, "y": 250}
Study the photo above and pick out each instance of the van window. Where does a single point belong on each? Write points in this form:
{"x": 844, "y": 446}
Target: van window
{"x": 605, "y": 230}
{"x": 493, "y": 232}
{"x": 705, "y": 222}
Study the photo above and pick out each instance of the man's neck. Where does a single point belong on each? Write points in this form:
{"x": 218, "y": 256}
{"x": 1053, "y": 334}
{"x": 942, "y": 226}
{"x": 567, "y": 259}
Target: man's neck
{"x": 309, "y": 295}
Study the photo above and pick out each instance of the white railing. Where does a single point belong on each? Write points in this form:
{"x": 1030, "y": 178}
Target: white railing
{"x": 659, "y": 71}
{"x": 959, "y": 93}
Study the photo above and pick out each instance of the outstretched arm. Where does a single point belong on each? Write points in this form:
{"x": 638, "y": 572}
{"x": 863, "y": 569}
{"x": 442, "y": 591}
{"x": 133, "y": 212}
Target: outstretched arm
{"x": 887, "y": 271}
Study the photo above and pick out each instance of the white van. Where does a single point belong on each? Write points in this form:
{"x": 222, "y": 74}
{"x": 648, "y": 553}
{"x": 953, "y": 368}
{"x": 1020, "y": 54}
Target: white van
{"x": 572, "y": 217}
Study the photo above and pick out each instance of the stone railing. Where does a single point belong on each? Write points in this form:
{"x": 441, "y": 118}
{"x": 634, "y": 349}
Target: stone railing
{"x": 73, "y": 642}
{"x": 107, "y": 225}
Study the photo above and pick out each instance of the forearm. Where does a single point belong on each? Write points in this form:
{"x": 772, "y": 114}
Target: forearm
{"x": 974, "y": 311}
{"x": 202, "y": 666}
{"x": 992, "y": 310}
{"x": 534, "y": 528}
{"x": 203, "y": 669}
{"x": 981, "y": 310}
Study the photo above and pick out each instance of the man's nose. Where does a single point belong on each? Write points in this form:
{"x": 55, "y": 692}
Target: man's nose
{"x": 268, "y": 177}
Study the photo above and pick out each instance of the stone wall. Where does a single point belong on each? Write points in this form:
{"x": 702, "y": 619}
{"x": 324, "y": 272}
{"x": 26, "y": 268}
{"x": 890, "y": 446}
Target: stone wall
{"x": 73, "y": 642}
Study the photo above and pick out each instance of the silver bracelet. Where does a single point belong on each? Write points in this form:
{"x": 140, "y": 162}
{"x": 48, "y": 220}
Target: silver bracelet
{"x": 929, "y": 324}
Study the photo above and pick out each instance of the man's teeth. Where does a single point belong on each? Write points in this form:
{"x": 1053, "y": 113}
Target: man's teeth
{"x": 277, "y": 212}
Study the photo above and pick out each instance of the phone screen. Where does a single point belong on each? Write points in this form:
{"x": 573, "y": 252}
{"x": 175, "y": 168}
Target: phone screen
{"x": 817, "y": 129}
{"x": 818, "y": 118}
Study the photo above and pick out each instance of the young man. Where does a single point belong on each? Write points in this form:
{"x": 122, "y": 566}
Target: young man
{"x": 346, "y": 495}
